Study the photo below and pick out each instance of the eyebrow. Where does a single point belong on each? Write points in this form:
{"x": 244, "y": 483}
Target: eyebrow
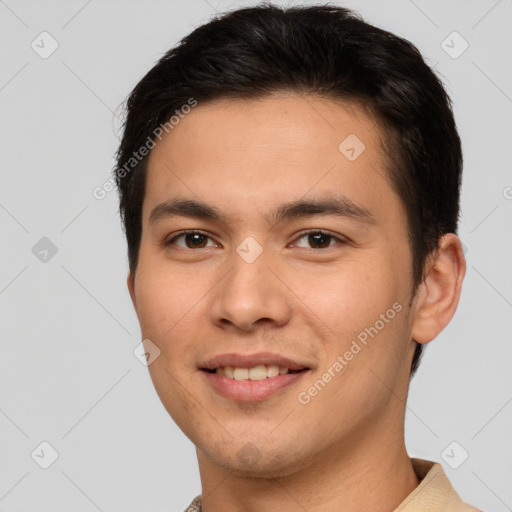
{"x": 340, "y": 206}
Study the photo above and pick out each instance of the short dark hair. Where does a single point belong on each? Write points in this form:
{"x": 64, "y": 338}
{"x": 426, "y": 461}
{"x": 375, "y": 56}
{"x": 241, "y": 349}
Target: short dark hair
{"x": 328, "y": 51}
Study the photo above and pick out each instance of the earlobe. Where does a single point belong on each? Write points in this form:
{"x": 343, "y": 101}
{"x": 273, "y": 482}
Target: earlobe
{"x": 438, "y": 294}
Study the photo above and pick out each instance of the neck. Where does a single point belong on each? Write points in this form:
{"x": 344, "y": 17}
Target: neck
{"x": 374, "y": 473}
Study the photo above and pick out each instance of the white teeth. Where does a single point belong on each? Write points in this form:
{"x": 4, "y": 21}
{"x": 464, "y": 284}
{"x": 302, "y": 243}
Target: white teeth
{"x": 241, "y": 374}
{"x": 259, "y": 372}
{"x": 272, "y": 370}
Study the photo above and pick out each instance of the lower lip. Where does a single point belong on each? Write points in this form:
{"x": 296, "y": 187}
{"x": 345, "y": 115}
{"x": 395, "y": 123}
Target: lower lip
{"x": 251, "y": 390}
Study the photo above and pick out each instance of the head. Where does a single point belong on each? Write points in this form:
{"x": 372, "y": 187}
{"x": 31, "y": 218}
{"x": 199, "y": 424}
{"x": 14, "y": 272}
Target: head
{"x": 261, "y": 107}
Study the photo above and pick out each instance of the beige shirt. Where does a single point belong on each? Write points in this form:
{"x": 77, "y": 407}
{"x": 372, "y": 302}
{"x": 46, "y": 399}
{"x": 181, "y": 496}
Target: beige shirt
{"x": 434, "y": 493}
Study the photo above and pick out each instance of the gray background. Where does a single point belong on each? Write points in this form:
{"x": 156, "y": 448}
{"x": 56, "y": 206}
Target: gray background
{"x": 68, "y": 375}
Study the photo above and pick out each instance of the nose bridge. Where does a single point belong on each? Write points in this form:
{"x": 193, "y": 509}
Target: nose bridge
{"x": 250, "y": 292}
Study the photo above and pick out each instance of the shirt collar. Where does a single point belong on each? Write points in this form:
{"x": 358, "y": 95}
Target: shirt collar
{"x": 434, "y": 493}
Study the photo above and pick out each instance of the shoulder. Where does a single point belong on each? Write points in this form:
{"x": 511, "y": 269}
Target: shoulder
{"x": 434, "y": 493}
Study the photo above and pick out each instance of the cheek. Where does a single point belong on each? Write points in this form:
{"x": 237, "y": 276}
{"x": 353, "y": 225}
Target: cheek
{"x": 166, "y": 298}
{"x": 350, "y": 296}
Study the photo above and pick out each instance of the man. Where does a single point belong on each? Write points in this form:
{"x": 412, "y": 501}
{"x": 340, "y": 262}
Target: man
{"x": 289, "y": 184}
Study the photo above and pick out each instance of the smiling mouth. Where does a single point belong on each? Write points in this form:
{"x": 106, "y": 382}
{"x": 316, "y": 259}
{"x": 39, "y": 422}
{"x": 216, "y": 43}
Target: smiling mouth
{"x": 259, "y": 372}
{"x": 253, "y": 377}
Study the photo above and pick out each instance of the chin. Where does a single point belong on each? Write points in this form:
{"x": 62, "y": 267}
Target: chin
{"x": 251, "y": 460}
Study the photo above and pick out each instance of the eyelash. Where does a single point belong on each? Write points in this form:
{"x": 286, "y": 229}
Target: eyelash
{"x": 301, "y": 235}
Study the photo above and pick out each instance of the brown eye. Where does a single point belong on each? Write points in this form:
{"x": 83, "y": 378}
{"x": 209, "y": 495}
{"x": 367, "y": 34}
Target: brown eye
{"x": 319, "y": 239}
{"x": 193, "y": 240}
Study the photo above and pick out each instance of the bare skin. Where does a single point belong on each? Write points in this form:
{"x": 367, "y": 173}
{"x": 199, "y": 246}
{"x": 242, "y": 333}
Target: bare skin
{"x": 304, "y": 298}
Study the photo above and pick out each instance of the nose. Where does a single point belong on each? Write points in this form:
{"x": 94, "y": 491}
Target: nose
{"x": 250, "y": 295}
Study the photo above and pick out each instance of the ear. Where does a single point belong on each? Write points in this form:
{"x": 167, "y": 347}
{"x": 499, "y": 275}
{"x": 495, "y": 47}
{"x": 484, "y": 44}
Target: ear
{"x": 131, "y": 288}
{"x": 438, "y": 295}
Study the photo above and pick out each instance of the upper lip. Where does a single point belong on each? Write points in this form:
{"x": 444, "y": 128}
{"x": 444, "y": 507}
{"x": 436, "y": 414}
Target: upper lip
{"x": 251, "y": 360}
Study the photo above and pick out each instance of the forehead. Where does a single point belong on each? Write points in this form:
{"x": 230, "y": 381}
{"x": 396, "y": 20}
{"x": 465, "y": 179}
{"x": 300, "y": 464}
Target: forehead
{"x": 279, "y": 147}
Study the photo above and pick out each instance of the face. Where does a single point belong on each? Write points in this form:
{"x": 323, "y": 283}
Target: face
{"x": 274, "y": 279}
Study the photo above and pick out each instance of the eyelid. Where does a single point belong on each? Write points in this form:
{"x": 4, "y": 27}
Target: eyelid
{"x": 169, "y": 241}
{"x": 339, "y": 238}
